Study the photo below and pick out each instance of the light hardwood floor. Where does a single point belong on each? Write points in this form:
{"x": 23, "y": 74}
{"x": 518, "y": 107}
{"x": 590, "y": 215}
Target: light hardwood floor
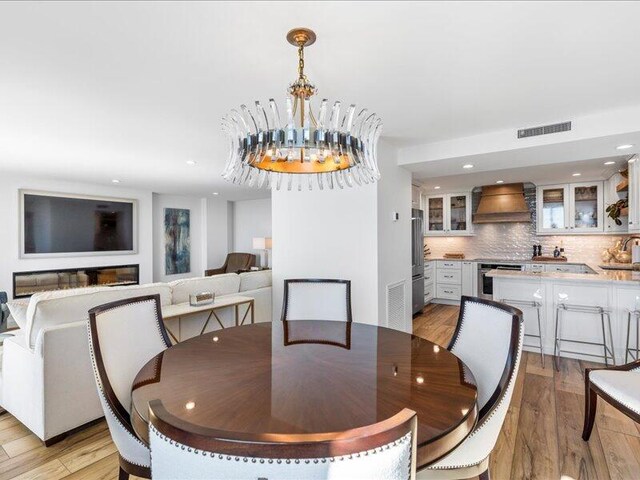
{"x": 541, "y": 437}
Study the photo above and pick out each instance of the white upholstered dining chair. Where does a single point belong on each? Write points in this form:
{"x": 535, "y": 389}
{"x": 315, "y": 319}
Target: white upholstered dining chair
{"x": 619, "y": 386}
{"x": 123, "y": 336}
{"x": 317, "y": 299}
{"x": 488, "y": 339}
{"x": 382, "y": 451}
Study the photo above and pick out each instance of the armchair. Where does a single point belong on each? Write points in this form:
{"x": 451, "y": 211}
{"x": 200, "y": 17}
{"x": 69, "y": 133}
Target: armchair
{"x": 618, "y": 386}
{"x": 233, "y": 263}
{"x": 4, "y": 311}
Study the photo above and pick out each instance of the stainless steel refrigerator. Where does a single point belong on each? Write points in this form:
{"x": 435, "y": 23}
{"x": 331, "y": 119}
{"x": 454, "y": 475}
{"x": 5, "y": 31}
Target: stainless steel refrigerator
{"x": 417, "y": 259}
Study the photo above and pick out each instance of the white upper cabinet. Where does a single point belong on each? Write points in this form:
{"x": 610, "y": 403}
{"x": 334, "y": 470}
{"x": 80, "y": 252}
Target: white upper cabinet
{"x": 571, "y": 208}
{"x": 587, "y": 207}
{"x": 447, "y": 214}
{"x": 415, "y": 196}
{"x": 553, "y": 208}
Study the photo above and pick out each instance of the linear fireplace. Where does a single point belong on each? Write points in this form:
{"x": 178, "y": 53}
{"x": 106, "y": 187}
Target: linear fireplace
{"x": 26, "y": 284}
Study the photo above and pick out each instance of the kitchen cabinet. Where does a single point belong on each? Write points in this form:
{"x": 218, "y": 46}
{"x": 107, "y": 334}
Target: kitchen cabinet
{"x": 415, "y": 196}
{"x": 571, "y": 208}
{"x": 469, "y": 279}
{"x": 429, "y": 282}
{"x": 564, "y": 268}
{"x": 448, "y": 214}
{"x": 453, "y": 278}
{"x": 634, "y": 195}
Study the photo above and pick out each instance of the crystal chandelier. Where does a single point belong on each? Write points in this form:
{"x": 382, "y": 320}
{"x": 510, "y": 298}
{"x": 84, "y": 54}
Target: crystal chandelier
{"x": 330, "y": 149}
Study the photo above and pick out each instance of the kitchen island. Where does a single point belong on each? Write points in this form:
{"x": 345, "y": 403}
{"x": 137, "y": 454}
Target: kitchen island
{"x": 617, "y": 292}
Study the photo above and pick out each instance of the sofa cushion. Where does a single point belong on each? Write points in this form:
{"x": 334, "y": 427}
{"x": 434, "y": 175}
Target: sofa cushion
{"x": 18, "y": 309}
{"x": 255, "y": 280}
{"x": 224, "y": 284}
{"x": 47, "y": 309}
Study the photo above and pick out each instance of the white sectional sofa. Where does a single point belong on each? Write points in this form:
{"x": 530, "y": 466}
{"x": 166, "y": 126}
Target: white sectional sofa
{"x": 46, "y": 378}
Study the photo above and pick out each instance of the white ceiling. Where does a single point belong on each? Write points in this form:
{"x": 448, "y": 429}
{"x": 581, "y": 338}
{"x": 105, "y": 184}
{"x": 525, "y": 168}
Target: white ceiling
{"x": 94, "y": 91}
{"x": 589, "y": 170}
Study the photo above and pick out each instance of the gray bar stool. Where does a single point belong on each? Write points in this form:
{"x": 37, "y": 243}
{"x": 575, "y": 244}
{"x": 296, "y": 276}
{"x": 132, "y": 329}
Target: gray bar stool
{"x": 608, "y": 351}
{"x": 537, "y": 306}
{"x": 632, "y": 352}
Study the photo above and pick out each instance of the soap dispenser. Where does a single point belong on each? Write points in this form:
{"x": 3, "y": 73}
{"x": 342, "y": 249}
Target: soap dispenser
{"x": 556, "y": 252}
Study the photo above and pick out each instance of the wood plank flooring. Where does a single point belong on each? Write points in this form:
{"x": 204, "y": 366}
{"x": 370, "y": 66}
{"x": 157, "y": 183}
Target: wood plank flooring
{"x": 541, "y": 437}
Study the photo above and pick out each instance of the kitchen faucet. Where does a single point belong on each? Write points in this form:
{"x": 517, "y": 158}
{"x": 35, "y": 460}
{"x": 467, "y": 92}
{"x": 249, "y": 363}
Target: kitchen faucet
{"x": 624, "y": 244}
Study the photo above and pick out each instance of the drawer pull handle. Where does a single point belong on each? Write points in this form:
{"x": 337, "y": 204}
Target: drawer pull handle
{"x": 448, "y": 291}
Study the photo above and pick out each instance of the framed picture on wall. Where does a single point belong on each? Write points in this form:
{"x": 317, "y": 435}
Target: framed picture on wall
{"x": 177, "y": 241}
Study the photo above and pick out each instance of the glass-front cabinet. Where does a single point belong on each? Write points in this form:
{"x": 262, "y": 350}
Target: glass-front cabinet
{"x": 553, "y": 203}
{"x": 448, "y": 214}
{"x": 434, "y": 212}
{"x": 586, "y": 207}
{"x": 570, "y": 208}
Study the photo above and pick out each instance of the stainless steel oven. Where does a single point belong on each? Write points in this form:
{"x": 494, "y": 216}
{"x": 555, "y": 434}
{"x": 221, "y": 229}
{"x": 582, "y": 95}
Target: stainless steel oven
{"x": 485, "y": 283}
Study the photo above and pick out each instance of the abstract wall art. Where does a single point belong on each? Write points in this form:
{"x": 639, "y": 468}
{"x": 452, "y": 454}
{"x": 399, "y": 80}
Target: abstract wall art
{"x": 177, "y": 241}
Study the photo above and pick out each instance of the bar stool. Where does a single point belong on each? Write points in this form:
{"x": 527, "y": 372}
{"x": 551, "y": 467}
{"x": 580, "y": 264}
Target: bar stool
{"x": 632, "y": 352}
{"x": 537, "y": 306}
{"x": 608, "y": 352}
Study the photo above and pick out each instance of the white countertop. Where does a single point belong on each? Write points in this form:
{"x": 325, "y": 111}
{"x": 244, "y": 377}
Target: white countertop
{"x": 628, "y": 277}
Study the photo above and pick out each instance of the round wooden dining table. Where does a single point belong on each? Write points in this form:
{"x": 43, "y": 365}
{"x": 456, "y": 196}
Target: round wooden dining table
{"x": 307, "y": 376}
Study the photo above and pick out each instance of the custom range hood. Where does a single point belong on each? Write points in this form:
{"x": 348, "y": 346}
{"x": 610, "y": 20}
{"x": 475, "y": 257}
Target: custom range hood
{"x": 502, "y": 203}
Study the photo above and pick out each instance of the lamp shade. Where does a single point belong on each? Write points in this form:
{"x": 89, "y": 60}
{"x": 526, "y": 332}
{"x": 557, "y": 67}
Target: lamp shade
{"x": 262, "y": 243}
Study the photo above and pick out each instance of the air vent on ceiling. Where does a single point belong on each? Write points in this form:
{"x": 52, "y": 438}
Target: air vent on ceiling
{"x": 544, "y": 130}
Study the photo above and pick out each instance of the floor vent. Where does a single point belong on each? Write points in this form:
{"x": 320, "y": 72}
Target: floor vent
{"x": 544, "y": 130}
{"x": 395, "y": 306}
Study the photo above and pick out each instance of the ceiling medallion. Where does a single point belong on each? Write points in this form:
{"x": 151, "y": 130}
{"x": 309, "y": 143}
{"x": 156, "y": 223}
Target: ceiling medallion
{"x": 328, "y": 149}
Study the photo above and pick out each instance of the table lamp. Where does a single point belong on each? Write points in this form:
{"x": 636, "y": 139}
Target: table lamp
{"x": 263, "y": 243}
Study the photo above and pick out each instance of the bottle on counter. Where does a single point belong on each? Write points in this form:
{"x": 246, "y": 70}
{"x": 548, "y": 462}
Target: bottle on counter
{"x": 535, "y": 250}
{"x": 556, "y": 252}
{"x": 539, "y": 250}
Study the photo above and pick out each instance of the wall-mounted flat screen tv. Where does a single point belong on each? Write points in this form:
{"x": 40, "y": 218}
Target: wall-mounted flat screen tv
{"x": 55, "y": 224}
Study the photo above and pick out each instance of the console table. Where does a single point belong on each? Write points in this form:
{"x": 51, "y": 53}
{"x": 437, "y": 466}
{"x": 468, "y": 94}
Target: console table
{"x": 180, "y": 310}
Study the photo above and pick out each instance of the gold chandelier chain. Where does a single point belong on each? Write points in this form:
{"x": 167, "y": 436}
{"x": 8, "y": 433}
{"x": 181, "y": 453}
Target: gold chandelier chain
{"x": 301, "y": 62}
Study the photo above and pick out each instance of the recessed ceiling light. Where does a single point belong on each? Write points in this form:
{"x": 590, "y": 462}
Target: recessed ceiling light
{"x": 577, "y": 174}
{"x": 115, "y": 180}
{"x": 499, "y": 181}
{"x": 420, "y": 379}
{"x": 214, "y": 193}
{"x": 190, "y": 405}
{"x": 468, "y": 165}
{"x": 191, "y": 163}
{"x": 610, "y": 162}
{"x": 625, "y": 146}
{"x": 437, "y": 187}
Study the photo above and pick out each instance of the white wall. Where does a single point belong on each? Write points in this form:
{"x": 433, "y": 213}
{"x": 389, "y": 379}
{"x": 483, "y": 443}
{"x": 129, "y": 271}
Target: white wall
{"x": 198, "y": 220}
{"x": 328, "y": 234}
{"x": 251, "y": 218}
{"x": 348, "y": 234}
{"x": 10, "y": 260}
{"x": 394, "y": 237}
{"x": 219, "y": 240}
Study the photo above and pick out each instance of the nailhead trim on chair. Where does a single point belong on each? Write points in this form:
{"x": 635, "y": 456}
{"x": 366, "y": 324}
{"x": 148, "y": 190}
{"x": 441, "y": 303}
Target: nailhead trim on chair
{"x": 400, "y": 441}
{"x": 106, "y": 402}
{"x": 512, "y": 378}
